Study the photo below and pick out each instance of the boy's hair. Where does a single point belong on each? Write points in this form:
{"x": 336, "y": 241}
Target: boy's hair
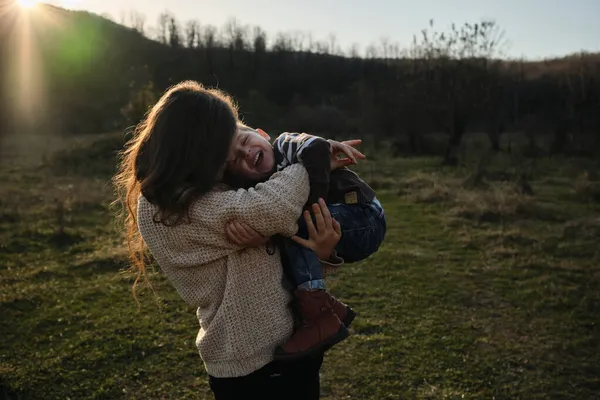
{"x": 175, "y": 156}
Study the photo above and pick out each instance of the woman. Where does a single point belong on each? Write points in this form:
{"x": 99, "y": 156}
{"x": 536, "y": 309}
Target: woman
{"x": 168, "y": 183}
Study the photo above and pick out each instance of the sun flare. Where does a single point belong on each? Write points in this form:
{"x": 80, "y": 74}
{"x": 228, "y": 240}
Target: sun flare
{"x": 27, "y": 3}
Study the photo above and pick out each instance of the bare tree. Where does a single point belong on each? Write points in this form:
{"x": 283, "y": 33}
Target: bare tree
{"x": 331, "y": 43}
{"x": 322, "y": 47}
{"x": 282, "y": 42}
{"x": 162, "y": 33}
{"x": 385, "y": 47}
{"x": 457, "y": 67}
{"x": 210, "y": 36}
{"x": 137, "y": 21}
{"x": 311, "y": 43}
{"x": 395, "y": 51}
{"x": 192, "y": 33}
{"x": 297, "y": 40}
{"x": 174, "y": 33}
{"x": 371, "y": 51}
{"x": 235, "y": 34}
{"x": 354, "y": 50}
{"x": 578, "y": 97}
{"x": 259, "y": 40}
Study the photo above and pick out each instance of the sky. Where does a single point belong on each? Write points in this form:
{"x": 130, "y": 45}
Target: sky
{"x": 534, "y": 29}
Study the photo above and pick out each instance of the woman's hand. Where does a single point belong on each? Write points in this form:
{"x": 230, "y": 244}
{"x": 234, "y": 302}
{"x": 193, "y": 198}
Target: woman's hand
{"x": 322, "y": 239}
{"x": 242, "y": 234}
{"x": 345, "y": 148}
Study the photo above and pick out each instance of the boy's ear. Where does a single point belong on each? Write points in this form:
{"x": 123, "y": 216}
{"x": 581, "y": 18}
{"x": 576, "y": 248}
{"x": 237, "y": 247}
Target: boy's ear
{"x": 263, "y": 134}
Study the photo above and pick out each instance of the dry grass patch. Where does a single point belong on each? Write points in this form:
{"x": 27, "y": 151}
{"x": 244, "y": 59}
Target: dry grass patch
{"x": 499, "y": 202}
{"x": 587, "y": 187}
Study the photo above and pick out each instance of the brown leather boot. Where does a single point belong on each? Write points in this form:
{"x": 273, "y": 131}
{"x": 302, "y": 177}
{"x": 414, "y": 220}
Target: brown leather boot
{"x": 320, "y": 330}
{"x": 343, "y": 311}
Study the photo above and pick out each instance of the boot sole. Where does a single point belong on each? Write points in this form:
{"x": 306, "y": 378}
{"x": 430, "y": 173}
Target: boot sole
{"x": 341, "y": 334}
{"x": 350, "y": 315}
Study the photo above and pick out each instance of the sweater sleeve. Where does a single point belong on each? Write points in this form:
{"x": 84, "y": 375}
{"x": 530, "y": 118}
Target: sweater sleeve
{"x": 271, "y": 207}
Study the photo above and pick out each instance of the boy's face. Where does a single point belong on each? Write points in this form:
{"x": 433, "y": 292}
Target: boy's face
{"x": 251, "y": 155}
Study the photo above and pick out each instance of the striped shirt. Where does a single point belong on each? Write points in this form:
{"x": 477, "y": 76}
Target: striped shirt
{"x": 290, "y": 147}
{"x": 311, "y": 151}
{"x": 314, "y": 152}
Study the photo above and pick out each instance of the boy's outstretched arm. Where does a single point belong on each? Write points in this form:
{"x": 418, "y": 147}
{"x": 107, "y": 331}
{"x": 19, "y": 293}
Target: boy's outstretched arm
{"x": 314, "y": 153}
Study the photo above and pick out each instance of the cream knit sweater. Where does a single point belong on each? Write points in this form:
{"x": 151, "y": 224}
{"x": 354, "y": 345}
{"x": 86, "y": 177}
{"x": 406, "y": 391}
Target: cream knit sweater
{"x": 242, "y": 304}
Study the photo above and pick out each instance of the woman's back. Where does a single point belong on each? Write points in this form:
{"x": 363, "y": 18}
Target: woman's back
{"x": 242, "y": 304}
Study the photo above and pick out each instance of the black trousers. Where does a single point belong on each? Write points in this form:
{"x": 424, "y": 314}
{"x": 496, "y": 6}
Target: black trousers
{"x": 278, "y": 380}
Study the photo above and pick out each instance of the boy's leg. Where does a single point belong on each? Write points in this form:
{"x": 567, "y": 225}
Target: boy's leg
{"x": 305, "y": 271}
{"x": 302, "y": 265}
{"x": 363, "y": 229}
{"x": 321, "y": 327}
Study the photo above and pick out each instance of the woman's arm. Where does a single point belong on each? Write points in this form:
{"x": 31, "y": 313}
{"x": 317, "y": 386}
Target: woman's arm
{"x": 322, "y": 238}
{"x": 272, "y": 207}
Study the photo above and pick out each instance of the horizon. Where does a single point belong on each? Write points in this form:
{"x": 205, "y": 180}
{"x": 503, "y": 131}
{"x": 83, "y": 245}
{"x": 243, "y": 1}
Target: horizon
{"x": 541, "y": 30}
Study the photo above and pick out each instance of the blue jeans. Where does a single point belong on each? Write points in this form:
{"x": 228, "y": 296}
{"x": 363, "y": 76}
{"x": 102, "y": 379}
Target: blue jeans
{"x": 363, "y": 229}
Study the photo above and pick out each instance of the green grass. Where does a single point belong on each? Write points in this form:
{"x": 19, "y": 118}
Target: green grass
{"x": 455, "y": 304}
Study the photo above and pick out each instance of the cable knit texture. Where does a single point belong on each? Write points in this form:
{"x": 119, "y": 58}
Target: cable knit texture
{"x": 243, "y": 307}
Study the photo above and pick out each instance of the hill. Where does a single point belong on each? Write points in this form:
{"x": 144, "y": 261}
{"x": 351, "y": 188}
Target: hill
{"x": 81, "y": 73}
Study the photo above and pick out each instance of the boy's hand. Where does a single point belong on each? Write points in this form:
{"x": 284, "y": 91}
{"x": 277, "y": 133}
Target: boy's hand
{"x": 322, "y": 239}
{"x": 346, "y": 148}
{"x": 242, "y": 234}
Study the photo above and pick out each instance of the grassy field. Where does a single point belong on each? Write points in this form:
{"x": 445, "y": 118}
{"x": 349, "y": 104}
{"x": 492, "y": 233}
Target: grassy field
{"x": 480, "y": 292}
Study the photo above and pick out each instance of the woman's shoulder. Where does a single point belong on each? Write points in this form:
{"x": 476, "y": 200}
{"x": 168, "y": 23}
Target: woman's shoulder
{"x": 144, "y": 204}
{"x": 146, "y": 212}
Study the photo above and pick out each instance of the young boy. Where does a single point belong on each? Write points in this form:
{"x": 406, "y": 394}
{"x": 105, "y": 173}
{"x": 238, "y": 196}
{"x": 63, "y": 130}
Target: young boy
{"x": 351, "y": 202}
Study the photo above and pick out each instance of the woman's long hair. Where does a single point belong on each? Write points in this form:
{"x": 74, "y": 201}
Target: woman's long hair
{"x": 175, "y": 156}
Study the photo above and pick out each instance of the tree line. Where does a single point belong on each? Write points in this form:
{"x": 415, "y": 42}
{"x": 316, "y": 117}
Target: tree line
{"x": 100, "y": 75}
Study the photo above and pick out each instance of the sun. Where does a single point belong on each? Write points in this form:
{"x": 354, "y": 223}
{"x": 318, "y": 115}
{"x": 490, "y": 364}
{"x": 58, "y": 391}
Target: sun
{"x": 27, "y": 3}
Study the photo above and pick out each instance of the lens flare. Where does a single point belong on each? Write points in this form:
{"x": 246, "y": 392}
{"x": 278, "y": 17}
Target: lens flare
{"x": 27, "y": 3}
{"x": 23, "y": 29}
